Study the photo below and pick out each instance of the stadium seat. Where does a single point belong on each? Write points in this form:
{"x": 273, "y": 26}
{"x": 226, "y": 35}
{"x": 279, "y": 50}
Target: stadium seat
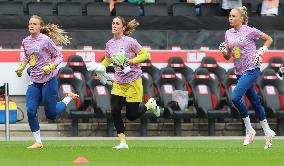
{"x": 77, "y": 64}
{"x": 216, "y": 71}
{"x": 182, "y": 71}
{"x": 151, "y": 9}
{"x": 207, "y": 99}
{"x": 149, "y": 69}
{"x": 272, "y": 92}
{"x": 101, "y": 102}
{"x": 169, "y": 3}
{"x": 69, "y": 9}
{"x": 11, "y": 8}
{"x": 127, "y": 9}
{"x": 167, "y": 84}
{"x": 25, "y": 3}
{"x": 83, "y": 3}
{"x": 54, "y": 2}
{"x": 184, "y": 9}
{"x": 275, "y": 63}
{"x": 97, "y": 9}
{"x": 41, "y": 9}
{"x": 76, "y": 109}
{"x": 210, "y": 9}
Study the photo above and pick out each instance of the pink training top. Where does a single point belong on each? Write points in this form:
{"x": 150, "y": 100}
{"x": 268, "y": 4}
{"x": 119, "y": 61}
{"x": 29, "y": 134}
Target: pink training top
{"x": 39, "y": 52}
{"x": 130, "y": 47}
{"x": 242, "y": 45}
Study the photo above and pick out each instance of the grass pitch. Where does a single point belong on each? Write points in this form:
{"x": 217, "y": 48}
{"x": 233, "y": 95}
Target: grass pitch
{"x": 144, "y": 153}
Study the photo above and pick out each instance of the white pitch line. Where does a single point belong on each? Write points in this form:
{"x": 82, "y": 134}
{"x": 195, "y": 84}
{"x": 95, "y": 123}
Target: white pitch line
{"x": 141, "y": 138}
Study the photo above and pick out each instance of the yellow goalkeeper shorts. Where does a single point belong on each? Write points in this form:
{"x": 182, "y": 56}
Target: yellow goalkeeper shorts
{"x": 133, "y": 91}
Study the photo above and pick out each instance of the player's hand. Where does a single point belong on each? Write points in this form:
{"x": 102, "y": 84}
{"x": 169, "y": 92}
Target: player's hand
{"x": 257, "y": 61}
{"x": 48, "y": 68}
{"x": 223, "y": 48}
{"x": 97, "y": 67}
{"x": 129, "y": 61}
{"x": 104, "y": 78}
{"x": 281, "y": 71}
{"x": 19, "y": 71}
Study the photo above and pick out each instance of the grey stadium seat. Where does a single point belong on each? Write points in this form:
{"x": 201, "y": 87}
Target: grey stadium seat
{"x": 69, "y": 9}
{"x": 155, "y": 9}
{"x": 184, "y": 9}
{"x": 11, "y": 8}
{"x": 42, "y": 8}
{"x": 127, "y": 9}
{"x": 97, "y": 9}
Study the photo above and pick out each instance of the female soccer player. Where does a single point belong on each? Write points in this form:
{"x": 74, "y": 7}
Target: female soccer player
{"x": 40, "y": 50}
{"x": 240, "y": 44}
{"x": 125, "y": 53}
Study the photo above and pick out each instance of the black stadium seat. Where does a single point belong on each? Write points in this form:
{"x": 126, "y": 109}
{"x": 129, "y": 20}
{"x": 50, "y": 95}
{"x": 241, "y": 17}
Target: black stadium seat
{"x": 167, "y": 84}
{"x": 155, "y": 9}
{"x": 275, "y": 63}
{"x": 54, "y": 2}
{"x": 69, "y": 9}
{"x": 182, "y": 71}
{"x": 97, "y": 9}
{"x": 184, "y": 9}
{"x": 77, "y": 64}
{"x": 11, "y": 8}
{"x": 127, "y": 9}
{"x": 40, "y": 8}
{"x": 272, "y": 92}
{"x": 210, "y": 9}
{"x": 207, "y": 99}
{"x": 76, "y": 109}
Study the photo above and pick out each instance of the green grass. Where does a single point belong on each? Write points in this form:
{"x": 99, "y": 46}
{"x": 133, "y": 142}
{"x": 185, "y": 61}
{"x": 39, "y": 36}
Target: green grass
{"x": 144, "y": 153}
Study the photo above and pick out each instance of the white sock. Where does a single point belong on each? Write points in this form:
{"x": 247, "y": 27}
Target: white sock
{"x": 67, "y": 100}
{"x": 248, "y": 124}
{"x": 37, "y": 136}
{"x": 265, "y": 126}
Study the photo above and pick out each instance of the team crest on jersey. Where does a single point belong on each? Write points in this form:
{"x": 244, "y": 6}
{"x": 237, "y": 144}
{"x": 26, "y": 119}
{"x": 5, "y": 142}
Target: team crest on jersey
{"x": 36, "y": 49}
{"x": 242, "y": 39}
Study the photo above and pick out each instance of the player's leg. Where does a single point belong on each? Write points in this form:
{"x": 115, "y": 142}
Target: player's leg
{"x": 33, "y": 98}
{"x": 117, "y": 103}
{"x": 51, "y": 106}
{"x": 244, "y": 82}
{"x": 260, "y": 113}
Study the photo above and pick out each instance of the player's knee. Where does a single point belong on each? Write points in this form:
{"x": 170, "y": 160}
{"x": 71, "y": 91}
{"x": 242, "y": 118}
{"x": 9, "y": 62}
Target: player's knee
{"x": 236, "y": 100}
{"x": 31, "y": 114}
{"x": 51, "y": 116}
{"x": 115, "y": 114}
{"x": 131, "y": 118}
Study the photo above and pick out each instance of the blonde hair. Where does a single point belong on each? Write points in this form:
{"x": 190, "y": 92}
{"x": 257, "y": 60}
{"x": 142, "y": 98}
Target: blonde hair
{"x": 129, "y": 26}
{"x": 55, "y": 32}
{"x": 244, "y": 13}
